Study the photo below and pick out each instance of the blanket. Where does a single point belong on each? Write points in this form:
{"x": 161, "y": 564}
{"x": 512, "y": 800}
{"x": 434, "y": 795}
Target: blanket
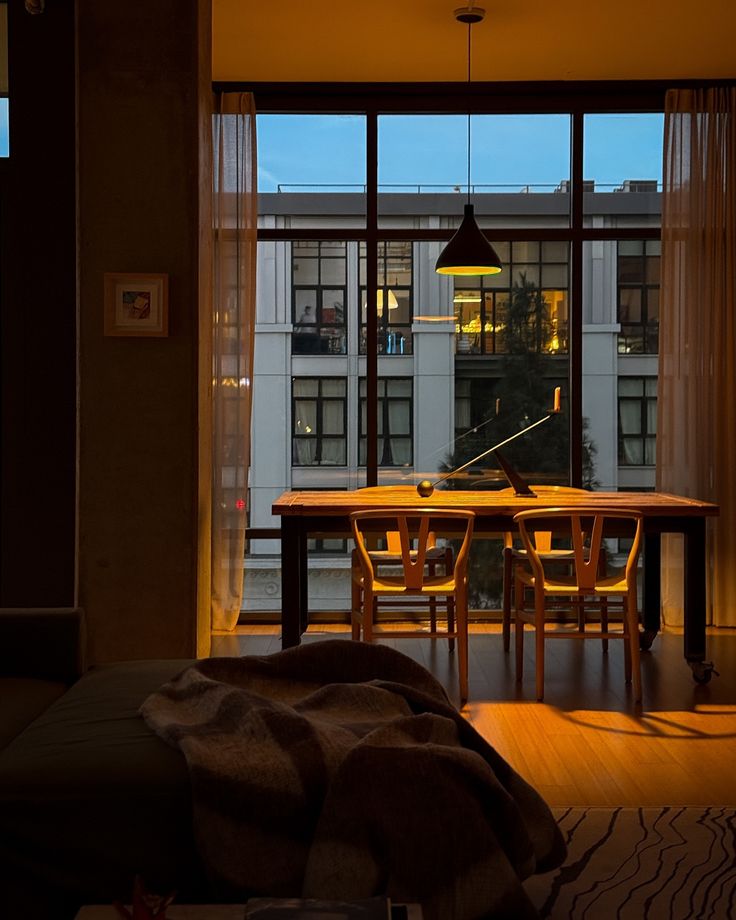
{"x": 341, "y": 770}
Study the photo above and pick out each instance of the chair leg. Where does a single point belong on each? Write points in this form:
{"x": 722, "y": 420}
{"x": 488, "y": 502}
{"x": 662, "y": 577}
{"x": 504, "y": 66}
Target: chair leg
{"x": 431, "y": 570}
{"x": 539, "y": 641}
{"x": 451, "y": 621}
{"x": 602, "y": 569}
{"x": 633, "y": 616}
{"x": 506, "y": 608}
{"x": 355, "y": 604}
{"x": 627, "y": 643}
{"x": 369, "y": 612}
{"x": 462, "y": 641}
{"x": 519, "y": 629}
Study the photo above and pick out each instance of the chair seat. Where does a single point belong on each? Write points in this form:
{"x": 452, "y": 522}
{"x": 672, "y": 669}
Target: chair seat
{"x": 566, "y": 584}
{"x": 385, "y": 557}
{"x": 432, "y": 584}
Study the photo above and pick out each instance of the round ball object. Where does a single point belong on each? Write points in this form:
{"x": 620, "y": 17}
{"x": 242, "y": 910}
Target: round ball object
{"x": 425, "y": 488}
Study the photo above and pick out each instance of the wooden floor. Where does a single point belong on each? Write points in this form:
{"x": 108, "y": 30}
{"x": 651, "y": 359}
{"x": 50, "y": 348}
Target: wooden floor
{"x": 586, "y": 744}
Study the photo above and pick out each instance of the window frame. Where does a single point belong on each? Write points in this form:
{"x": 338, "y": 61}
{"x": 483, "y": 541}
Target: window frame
{"x": 644, "y": 437}
{"x": 319, "y": 434}
{"x": 402, "y": 343}
{"x": 575, "y": 99}
{"x": 648, "y": 330}
{"x": 318, "y": 289}
{"x": 384, "y": 402}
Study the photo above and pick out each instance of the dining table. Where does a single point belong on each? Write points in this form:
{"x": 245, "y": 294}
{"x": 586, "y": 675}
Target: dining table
{"x": 305, "y": 513}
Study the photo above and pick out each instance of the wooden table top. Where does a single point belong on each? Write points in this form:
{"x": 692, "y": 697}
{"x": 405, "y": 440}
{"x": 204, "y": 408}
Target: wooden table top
{"x": 491, "y": 502}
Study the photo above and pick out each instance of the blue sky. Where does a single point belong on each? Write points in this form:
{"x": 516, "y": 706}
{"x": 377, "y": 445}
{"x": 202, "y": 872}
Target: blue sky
{"x": 512, "y": 150}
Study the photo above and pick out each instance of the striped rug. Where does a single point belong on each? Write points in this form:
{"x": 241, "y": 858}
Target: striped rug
{"x": 636, "y": 863}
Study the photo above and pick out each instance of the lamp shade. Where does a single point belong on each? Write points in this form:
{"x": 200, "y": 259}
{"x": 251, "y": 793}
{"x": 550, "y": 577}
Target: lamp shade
{"x": 468, "y": 252}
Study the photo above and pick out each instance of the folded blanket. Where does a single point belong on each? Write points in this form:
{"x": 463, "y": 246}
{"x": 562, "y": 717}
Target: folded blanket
{"x": 340, "y": 770}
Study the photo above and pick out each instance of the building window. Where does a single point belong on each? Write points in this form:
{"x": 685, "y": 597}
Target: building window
{"x": 395, "y": 437}
{"x": 525, "y": 305}
{"x": 319, "y": 278}
{"x": 638, "y": 296}
{"x": 393, "y": 298}
{"x": 319, "y": 421}
{"x": 637, "y": 421}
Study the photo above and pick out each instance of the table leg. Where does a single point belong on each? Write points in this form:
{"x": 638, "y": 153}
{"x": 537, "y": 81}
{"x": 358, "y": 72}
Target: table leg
{"x": 294, "y": 595}
{"x": 695, "y": 565}
{"x": 651, "y": 589}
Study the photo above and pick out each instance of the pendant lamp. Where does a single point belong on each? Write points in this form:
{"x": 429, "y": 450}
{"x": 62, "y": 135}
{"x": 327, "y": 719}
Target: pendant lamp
{"x": 468, "y": 252}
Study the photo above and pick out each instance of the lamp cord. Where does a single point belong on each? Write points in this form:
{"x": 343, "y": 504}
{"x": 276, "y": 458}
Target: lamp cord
{"x": 469, "y": 48}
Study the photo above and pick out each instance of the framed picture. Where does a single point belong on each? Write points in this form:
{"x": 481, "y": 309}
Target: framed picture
{"x": 136, "y": 304}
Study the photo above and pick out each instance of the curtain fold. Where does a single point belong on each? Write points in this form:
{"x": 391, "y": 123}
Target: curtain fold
{"x": 235, "y": 215}
{"x": 696, "y": 420}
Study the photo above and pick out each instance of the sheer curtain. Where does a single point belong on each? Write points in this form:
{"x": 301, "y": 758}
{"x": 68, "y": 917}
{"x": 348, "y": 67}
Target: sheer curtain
{"x": 696, "y": 422}
{"x": 235, "y": 214}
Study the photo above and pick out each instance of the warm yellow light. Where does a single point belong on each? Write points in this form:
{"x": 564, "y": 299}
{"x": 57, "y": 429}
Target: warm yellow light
{"x": 391, "y": 299}
{"x": 469, "y": 270}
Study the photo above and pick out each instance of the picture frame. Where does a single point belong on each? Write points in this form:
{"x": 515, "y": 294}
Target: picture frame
{"x": 136, "y": 304}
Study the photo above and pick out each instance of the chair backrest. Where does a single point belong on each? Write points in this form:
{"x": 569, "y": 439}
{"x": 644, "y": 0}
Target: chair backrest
{"x": 586, "y": 528}
{"x": 543, "y": 539}
{"x": 411, "y": 525}
{"x": 393, "y": 541}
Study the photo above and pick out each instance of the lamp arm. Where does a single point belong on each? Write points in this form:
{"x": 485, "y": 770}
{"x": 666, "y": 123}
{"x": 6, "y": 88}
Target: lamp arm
{"x": 490, "y": 450}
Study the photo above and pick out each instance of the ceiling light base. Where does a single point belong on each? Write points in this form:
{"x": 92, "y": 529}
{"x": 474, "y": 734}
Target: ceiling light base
{"x": 470, "y": 14}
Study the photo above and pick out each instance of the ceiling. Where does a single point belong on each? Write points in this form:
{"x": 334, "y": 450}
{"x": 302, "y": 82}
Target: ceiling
{"x": 387, "y": 40}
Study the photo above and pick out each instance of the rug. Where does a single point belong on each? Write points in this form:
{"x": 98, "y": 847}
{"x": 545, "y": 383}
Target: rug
{"x": 634, "y": 863}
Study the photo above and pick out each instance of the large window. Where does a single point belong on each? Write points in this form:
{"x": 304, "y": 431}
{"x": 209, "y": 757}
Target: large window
{"x": 397, "y": 374}
{"x": 394, "y": 422}
{"x": 319, "y": 421}
{"x": 637, "y": 421}
{"x": 319, "y": 277}
{"x": 638, "y": 296}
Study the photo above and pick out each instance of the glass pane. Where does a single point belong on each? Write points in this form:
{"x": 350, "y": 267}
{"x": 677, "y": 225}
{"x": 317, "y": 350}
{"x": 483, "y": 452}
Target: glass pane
{"x": 295, "y": 177}
{"x": 622, "y": 164}
{"x": 630, "y": 305}
{"x": 333, "y": 387}
{"x": 305, "y": 387}
{"x": 512, "y": 156}
{"x": 305, "y": 417}
{"x": 333, "y": 418}
{"x": 555, "y": 275}
{"x": 630, "y": 386}
{"x": 651, "y": 416}
{"x": 399, "y": 387}
{"x": 630, "y": 417}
